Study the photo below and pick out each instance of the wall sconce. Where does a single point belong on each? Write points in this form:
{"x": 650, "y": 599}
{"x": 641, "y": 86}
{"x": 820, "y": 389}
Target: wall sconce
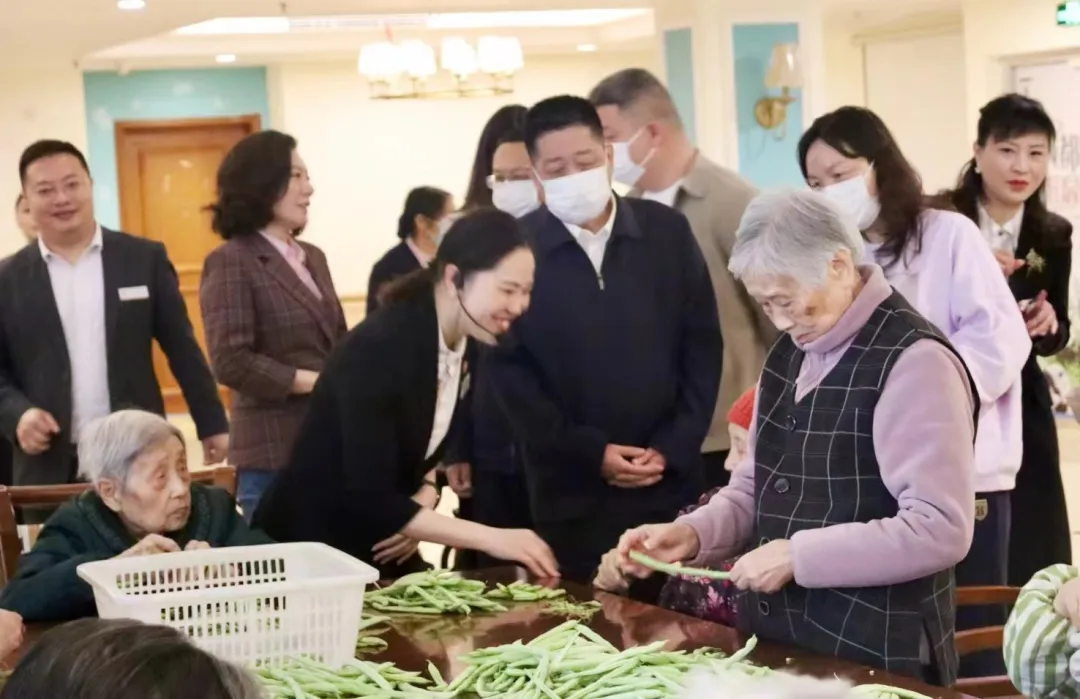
{"x": 785, "y": 74}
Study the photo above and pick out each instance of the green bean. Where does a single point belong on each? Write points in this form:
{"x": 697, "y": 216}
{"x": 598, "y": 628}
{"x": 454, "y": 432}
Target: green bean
{"x": 433, "y": 593}
{"x": 676, "y": 569}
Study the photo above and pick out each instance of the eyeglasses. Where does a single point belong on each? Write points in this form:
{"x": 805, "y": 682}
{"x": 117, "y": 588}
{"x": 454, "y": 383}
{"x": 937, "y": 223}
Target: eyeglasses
{"x": 495, "y": 179}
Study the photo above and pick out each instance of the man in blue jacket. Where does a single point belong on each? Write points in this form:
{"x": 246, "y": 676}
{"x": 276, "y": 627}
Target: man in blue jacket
{"x": 610, "y": 379}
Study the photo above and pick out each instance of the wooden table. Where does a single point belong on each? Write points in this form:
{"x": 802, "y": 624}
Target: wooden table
{"x": 443, "y": 640}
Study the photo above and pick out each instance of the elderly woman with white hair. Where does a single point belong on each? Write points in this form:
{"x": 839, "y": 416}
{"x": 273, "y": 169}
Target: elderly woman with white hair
{"x": 856, "y": 498}
{"x": 143, "y": 503}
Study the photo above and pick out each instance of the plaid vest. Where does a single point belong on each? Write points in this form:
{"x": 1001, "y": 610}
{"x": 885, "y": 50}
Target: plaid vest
{"x": 815, "y": 466}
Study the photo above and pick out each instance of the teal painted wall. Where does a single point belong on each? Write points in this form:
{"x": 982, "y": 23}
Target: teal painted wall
{"x": 764, "y": 159}
{"x": 679, "y": 65}
{"x": 159, "y": 94}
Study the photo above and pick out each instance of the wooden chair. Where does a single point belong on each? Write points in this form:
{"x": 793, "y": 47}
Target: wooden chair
{"x": 984, "y": 638}
{"x": 11, "y": 497}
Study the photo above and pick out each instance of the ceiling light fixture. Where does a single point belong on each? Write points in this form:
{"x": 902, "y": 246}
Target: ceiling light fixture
{"x": 226, "y": 58}
{"x": 130, "y": 4}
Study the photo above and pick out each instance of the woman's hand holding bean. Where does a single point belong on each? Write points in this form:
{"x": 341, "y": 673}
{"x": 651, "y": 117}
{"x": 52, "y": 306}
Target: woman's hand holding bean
{"x": 150, "y": 545}
{"x": 670, "y": 543}
{"x": 523, "y": 546}
{"x": 766, "y": 569}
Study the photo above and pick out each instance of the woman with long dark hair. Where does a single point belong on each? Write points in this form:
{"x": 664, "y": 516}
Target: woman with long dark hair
{"x": 1002, "y": 189}
{"x": 269, "y": 306}
{"x": 938, "y": 261}
{"x": 424, "y": 220}
{"x": 361, "y": 478}
{"x": 506, "y": 119}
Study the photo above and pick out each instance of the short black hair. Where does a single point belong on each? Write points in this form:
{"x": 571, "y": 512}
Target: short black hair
{"x": 47, "y": 148}
{"x": 558, "y": 113}
{"x": 250, "y": 180}
{"x": 421, "y": 201}
{"x": 636, "y": 88}
{"x": 515, "y": 135}
{"x": 512, "y": 116}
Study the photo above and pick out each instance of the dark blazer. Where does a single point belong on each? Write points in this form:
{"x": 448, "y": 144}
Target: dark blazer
{"x": 361, "y": 452}
{"x": 398, "y": 262}
{"x": 262, "y": 324}
{"x": 35, "y": 370}
{"x": 632, "y": 358}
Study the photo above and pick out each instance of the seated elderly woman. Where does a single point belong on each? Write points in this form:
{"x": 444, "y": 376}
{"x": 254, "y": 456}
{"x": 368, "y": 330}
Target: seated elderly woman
{"x": 856, "y": 499}
{"x": 143, "y": 503}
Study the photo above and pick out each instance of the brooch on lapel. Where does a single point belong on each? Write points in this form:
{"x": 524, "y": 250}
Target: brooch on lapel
{"x": 1034, "y": 262}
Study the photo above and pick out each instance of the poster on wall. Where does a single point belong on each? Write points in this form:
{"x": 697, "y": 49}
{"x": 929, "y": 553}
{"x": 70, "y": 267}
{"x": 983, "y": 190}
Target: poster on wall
{"x": 1057, "y": 86}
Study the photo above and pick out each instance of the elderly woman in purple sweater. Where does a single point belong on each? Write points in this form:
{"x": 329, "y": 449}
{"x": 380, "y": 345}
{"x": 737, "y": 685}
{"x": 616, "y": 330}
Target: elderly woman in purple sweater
{"x": 856, "y": 498}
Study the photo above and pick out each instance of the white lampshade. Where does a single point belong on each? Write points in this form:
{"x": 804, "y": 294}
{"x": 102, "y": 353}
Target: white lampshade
{"x": 381, "y": 62}
{"x": 418, "y": 59}
{"x": 499, "y": 54}
{"x": 458, "y": 57}
{"x": 785, "y": 69}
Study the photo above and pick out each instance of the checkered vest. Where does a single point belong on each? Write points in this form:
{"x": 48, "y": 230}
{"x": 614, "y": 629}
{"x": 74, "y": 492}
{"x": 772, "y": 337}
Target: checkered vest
{"x": 816, "y": 467}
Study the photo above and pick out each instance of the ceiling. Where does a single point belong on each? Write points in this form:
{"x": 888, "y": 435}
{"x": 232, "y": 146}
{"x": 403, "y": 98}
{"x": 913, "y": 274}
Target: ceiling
{"x": 99, "y": 36}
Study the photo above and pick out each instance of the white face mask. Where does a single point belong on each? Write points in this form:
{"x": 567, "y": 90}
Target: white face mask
{"x": 516, "y": 197}
{"x": 853, "y": 196}
{"x": 444, "y": 227}
{"x": 579, "y": 198}
{"x": 626, "y": 171}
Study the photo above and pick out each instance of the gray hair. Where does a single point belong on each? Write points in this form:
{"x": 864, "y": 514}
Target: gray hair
{"x": 109, "y": 446}
{"x": 636, "y": 88}
{"x": 794, "y": 233}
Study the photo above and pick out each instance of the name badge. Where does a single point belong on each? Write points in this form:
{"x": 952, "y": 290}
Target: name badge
{"x": 134, "y": 293}
{"x": 982, "y": 509}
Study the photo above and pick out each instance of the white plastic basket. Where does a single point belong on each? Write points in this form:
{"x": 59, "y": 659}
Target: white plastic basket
{"x": 248, "y": 604}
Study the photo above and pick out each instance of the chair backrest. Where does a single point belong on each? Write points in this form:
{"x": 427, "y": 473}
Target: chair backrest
{"x": 984, "y": 638}
{"x": 11, "y": 497}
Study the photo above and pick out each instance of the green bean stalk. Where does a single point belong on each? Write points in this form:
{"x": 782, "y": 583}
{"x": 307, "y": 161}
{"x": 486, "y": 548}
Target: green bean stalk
{"x": 676, "y": 569}
{"x": 520, "y": 591}
{"x": 371, "y": 628}
{"x": 307, "y": 679}
{"x": 571, "y": 609}
{"x": 433, "y": 592}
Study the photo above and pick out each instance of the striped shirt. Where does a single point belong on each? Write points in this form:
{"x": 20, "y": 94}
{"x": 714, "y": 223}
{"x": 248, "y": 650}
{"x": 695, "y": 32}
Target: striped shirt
{"x": 1039, "y": 644}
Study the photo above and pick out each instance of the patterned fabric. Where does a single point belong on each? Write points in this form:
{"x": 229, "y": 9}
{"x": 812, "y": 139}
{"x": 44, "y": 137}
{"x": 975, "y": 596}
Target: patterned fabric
{"x": 816, "y": 467}
{"x": 704, "y": 598}
{"x": 262, "y": 324}
{"x": 296, "y": 257}
{"x": 1039, "y": 644}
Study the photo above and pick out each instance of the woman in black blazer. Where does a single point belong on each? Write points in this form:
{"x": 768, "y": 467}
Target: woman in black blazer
{"x": 1002, "y": 190}
{"x": 421, "y": 226}
{"x": 361, "y": 477}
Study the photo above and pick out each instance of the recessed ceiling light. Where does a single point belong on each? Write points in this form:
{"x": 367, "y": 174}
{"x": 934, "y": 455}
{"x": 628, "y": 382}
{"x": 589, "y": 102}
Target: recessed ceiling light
{"x": 131, "y": 4}
{"x": 587, "y": 48}
{"x": 226, "y": 58}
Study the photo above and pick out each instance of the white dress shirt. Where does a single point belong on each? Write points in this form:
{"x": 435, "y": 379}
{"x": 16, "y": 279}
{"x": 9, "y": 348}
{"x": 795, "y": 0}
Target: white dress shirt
{"x": 449, "y": 389}
{"x": 1004, "y": 236}
{"x": 594, "y": 244}
{"x": 79, "y": 290}
{"x": 665, "y": 196}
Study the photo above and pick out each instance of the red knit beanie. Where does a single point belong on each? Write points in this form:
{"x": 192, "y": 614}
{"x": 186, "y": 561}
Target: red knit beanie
{"x": 743, "y": 411}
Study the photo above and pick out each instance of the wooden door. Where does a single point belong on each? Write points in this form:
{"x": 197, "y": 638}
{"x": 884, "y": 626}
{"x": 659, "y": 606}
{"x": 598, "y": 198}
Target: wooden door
{"x": 167, "y": 174}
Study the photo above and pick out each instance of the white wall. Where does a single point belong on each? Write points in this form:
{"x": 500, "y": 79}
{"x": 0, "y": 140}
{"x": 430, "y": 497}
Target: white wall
{"x": 844, "y": 75}
{"x": 39, "y": 102}
{"x": 364, "y": 155}
{"x": 916, "y": 86}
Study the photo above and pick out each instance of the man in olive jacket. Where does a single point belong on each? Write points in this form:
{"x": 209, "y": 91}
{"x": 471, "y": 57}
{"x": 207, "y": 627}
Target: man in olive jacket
{"x": 654, "y": 156}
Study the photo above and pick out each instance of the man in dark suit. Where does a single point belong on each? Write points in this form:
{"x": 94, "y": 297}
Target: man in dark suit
{"x": 611, "y": 378}
{"x": 79, "y": 311}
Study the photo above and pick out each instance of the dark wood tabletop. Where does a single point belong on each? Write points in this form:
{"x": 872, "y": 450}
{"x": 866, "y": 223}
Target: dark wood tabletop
{"x": 414, "y": 641}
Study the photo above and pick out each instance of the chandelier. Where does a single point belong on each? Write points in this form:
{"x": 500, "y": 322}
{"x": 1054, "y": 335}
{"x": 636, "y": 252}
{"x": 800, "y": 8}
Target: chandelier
{"x": 407, "y": 69}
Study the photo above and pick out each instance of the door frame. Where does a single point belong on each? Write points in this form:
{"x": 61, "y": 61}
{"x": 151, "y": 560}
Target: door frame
{"x": 127, "y": 159}
{"x": 131, "y": 212}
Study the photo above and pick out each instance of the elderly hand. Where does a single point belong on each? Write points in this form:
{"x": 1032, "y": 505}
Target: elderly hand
{"x": 609, "y": 577}
{"x": 397, "y": 549}
{"x": 1040, "y": 316}
{"x": 11, "y": 632}
{"x": 197, "y": 546}
{"x": 766, "y": 569}
{"x": 459, "y": 476}
{"x": 215, "y": 449}
{"x": 35, "y": 431}
{"x": 1008, "y": 262}
{"x": 1067, "y": 602}
{"x": 670, "y": 543}
{"x": 645, "y": 469}
{"x": 150, "y": 545}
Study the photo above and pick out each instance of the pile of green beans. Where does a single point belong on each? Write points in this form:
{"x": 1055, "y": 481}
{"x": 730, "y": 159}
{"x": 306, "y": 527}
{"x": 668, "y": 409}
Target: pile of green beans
{"x": 434, "y": 592}
{"x": 371, "y": 628}
{"x": 520, "y": 591}
{"x": 570, "y": 609}
{"x": 307, "y": 679}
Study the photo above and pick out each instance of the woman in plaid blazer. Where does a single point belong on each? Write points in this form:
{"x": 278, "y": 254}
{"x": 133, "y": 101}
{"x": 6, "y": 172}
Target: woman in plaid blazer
{"x": 269, "y": 306}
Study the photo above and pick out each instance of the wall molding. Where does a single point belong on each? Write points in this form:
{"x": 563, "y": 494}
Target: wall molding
{"x": 935, "y": 24}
